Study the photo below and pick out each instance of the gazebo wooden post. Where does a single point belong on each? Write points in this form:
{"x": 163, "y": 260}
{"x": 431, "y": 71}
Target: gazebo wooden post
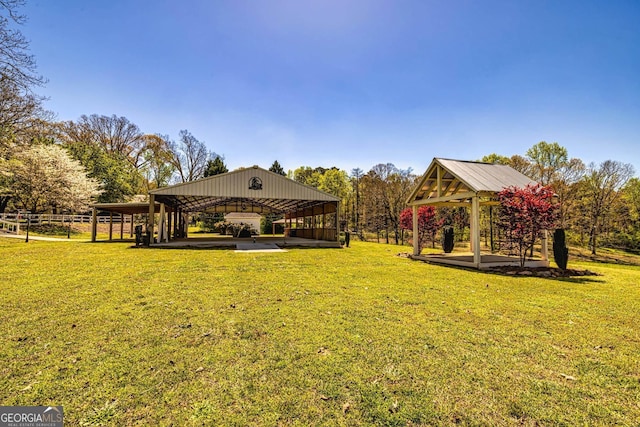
{"x": 416, "y": 242}
{"x": 475, "y": 230}
{"x": 151, "y": 217}
{"x": 94, "y": 224}
{"x": 131, "y": 227}
{"x": 121, "y": 226}
{"x": 110, "y": 226}
{"x": 170, "y": 223}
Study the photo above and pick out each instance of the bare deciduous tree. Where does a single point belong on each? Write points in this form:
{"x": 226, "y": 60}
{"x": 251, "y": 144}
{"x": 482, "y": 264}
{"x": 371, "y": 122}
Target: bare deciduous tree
{"x": 16, "y": 64}
{"x": 564, "y": 185}
{"x": 114, "y": 134}
{"x": 522, "y": 165}
{"x": 356, "y": 176}
{"x": 190, "y": 157}
{"x": 20, "y": 109}
{"x": 16, "y": 108}
{"x": 600, "y": 187}
{"x": 387, "y": 190}
{"x": 157, "y": 160}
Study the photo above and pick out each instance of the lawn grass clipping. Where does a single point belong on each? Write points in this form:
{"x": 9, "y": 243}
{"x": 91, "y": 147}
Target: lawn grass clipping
{"x": 357, "y": 336}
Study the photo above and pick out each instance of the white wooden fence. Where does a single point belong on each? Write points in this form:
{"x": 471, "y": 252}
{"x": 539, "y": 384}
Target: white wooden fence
{"x": 12, "y": 222}
{"x": 12, "y": 227}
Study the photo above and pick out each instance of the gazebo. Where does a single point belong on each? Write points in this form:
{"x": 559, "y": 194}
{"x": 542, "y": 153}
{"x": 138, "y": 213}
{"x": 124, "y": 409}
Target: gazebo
{"x": 455, "y": 183}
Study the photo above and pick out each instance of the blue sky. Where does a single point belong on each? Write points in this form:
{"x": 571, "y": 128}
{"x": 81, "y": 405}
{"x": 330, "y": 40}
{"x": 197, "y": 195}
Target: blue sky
{"x": 351, "y": 83}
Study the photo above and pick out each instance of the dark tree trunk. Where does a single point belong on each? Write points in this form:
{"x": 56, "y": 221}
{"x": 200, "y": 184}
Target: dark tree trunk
{"x": 4, "y": 201}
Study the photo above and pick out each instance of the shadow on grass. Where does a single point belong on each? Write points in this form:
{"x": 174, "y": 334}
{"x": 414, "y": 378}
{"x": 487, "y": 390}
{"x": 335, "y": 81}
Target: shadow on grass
{"x": 107, "y": 242}
{"x": 591, "y": 278}
{"x": 186, "y": 248}
{"x": 569, "y": 275}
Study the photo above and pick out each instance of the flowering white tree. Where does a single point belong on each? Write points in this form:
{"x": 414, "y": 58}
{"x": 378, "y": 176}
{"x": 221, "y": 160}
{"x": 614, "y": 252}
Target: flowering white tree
{"x": 44, "y": 176}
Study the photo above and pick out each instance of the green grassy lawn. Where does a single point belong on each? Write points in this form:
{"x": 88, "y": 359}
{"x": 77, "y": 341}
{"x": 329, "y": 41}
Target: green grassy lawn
{"x": 358, "y": 336}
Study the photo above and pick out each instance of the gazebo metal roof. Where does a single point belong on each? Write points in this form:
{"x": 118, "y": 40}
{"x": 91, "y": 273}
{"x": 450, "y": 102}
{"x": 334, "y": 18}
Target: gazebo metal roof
{"x": 447, "y": 181}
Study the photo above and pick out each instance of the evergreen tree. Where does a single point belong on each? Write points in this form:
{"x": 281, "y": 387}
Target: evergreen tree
{"x": 215, "y": 167}
{"x": 276, "y": 168}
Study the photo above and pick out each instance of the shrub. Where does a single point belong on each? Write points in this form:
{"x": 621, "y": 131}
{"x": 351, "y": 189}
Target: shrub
{"x": 523, "y": 213}
{"x": 560, "y": 250}
{"x": 447, "y": 239}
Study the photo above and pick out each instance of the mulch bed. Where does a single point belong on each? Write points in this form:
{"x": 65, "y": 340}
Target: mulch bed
{"x": 541, "y": 271}
{"x": 531, "y": 271}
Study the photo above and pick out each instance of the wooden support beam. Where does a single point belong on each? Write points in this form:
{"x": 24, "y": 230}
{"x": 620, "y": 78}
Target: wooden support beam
{"x": 324, "y": 223}
{"x": 94, "y": 224}
{"x": 416, "y": 243}
{"x": 161, "y": 224}
{"x": 475, "y": 231}
{"x": 151, "y": 217}
{"x": 313, "y": 226}
{"x": 175, "y": 223}
{"x": 433, "y": 201}
{"x": 110, "y": 226}
{"x": 545, "y": 246}
{"x": 448, "y": 187}
{"x": 337, "y": 222}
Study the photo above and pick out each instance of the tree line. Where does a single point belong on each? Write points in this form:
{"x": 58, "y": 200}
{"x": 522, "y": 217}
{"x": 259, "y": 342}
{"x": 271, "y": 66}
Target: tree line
{"x": 49, "y": 165}
{"x": 599, "y": 204}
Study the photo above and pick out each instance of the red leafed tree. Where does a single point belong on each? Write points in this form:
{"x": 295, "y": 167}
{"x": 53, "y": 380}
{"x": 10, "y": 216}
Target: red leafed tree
{"x": 524, "y": 213}
{"x": 427, "y": 224}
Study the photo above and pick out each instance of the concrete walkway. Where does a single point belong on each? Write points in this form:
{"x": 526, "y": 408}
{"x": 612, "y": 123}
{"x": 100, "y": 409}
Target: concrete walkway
{"x": 258, "y": 247}
{"x": 237, "y": 243}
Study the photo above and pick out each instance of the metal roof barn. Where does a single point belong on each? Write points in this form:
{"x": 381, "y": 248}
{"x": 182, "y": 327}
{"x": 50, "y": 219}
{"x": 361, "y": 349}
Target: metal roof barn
{"x": 246, "y": 190}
